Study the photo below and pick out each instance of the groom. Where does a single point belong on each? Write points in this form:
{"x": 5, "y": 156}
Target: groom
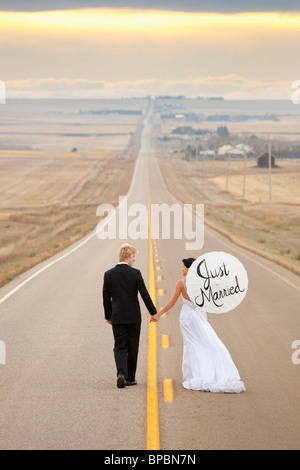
{"x": 122, "y": 310}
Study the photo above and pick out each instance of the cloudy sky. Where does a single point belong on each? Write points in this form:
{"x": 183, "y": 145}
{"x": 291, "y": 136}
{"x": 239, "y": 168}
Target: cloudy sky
{"x": 238, "y": 49}
{"x": 231, "y": 6}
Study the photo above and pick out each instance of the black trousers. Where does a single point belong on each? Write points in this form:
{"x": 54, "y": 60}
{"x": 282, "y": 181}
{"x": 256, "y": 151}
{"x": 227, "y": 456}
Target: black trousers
{"x": 127, "y": 337}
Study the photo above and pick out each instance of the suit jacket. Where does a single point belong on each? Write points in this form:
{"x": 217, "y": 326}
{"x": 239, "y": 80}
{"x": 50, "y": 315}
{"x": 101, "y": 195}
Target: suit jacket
{"x": 120, "y": 295}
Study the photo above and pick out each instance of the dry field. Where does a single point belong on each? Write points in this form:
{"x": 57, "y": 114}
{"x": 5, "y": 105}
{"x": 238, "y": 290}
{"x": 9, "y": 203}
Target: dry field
{"x": 65, "y": 137}
{"x": 49, "y": 200}
{"x": 268, "y": 227}
{"x": 61, "y": 125}
{"x": 284, "y": 181}
{"x": 286, "y": 130}
{"x": 33, "y": 179}
{"x": 60, "y": 159}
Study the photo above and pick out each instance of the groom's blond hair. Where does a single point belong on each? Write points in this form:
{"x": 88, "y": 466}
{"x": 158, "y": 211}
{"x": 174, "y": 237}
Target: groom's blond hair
{"x": 125, "y": 251}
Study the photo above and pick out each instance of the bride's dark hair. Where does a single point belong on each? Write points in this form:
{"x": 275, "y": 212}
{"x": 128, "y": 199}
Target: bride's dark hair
{"x": 188, "y": 262}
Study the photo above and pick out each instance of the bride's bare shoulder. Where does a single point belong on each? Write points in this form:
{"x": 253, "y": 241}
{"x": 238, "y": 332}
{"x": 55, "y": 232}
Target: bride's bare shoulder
{"x": 180, "y": 283}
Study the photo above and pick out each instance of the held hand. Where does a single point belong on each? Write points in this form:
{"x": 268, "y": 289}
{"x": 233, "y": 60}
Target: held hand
{"x": 155, "y": 317}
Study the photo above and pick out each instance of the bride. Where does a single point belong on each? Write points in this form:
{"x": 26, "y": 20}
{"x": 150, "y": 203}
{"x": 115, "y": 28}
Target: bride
{"x": 207, "y": 364}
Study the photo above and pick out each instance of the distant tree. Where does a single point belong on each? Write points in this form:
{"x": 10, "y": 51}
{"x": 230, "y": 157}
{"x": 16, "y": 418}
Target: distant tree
{"x": 223, "y": 131}
{"x": 74, "y": 149}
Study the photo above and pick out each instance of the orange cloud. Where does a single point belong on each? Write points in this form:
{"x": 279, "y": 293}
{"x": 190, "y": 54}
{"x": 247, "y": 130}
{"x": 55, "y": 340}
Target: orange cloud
{"x": 122, "y": 20}
{"x": 231, "y": 86}
{"x": 120, "y": 44}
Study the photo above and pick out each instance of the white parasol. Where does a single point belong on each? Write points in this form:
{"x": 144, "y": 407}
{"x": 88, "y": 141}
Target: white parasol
{"x": 217, "y": 282}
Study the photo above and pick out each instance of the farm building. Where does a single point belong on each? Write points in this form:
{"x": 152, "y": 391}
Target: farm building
{"x": 263, "y": 161}
{"x": 224, "y": 149}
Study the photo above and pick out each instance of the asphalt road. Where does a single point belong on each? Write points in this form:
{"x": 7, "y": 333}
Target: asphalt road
{"x": 58, "y": 386}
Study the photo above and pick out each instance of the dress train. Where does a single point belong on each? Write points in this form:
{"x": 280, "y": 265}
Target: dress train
{"x": 207, "y": 364}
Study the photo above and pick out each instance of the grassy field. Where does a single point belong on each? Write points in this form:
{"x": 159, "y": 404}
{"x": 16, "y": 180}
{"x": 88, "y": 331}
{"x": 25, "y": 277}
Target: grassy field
{"x": 57, "y": 164}
{"x": 31, "y": 179}
{"x": 238, "y": 201}
{"x": 287, "y": 129}
{"x": 268, "y": 227}
{"x": 254, "y": 184}
{"x": 33, "y": 232}
{"x": 52, "y": 203}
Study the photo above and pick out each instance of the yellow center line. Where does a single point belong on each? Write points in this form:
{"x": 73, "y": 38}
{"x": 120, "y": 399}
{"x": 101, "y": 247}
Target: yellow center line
{"x": 168, "y": 390}
{"x": 165, "y": 343}
{"x": 152, "y": 437}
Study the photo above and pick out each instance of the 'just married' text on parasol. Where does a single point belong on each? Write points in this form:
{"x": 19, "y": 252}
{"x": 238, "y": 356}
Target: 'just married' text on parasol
{"x": 207, "y": 292}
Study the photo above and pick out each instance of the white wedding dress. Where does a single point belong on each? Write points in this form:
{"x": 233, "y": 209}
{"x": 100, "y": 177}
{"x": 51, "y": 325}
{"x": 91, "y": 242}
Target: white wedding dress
{"x": 207, "y": 364}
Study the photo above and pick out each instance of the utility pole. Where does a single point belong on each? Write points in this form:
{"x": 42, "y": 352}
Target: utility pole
{"x": 270, "y": 170}
{"x": 244, "y": 179}
{"x": 228, "y": 171}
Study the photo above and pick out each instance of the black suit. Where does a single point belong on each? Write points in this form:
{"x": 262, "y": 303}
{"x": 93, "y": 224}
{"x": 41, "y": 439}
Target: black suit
{"x": 120, "y": 300}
